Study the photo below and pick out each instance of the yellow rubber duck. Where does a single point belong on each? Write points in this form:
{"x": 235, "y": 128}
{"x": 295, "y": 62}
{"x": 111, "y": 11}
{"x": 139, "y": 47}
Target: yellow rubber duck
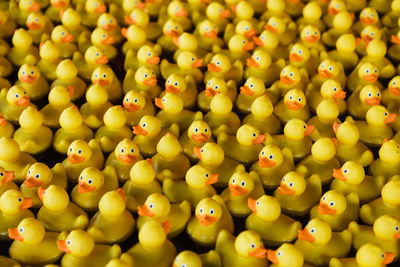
{"x": 286, "y": 255}
{"x": 349, "y": 146}
{"x": 268, "y": 42}
{"x": 207, "y": 34}
{"x": 374, "y": 130}
{"x": 345, "y": 52}
{"x": 246, "y": 11}
{"x": 184, "y": 86}
{"x": 246, "y": 249}
{"x": 33, "y": 245}
{"x": 294, "y": 7}
{"x": 82, "y": 154}
{"x": 197, "y": 185}
{"x": 215, "y": 86}
{"x": 242, "y": 26}
{"x": 64, "y": 40}
{"x": 50, "y": 58}
{"x": 141, "y": 18}
{"x": 22, "y": 52}
{"x": 39, "y": 26}
{"x": 390, "y": 95}
{"x": 147, "y": 55}
{"x": 266, "y": 215}
{"x": 109, "y": 23}
{"x": 80, "y": 250}
{"x": 366, "y": 73}
{"x": 221, "y": 66}
{"x": 310, "y": 36}
{"x": 178, "y": 10}
{"x": 171, "y": 30}
{"x": 367, "y": 255}
{"x": 58, "y": 213}
{"x": 7, "y": 25}
{"x": 218, "y": 14}
{"x": 253, "y": 88}
{"x": 13, "y": 102}
{"x": 13, "y": 209}
{"x": 351, "y": 178}
{"x": 388, "y": 204}
{"x": 312, "y": 13}
{"x": 71, "y": 20}
{"x": 106, "y": 77}
{"x": 190, "y": 258}
{"x": 72, "y": 128}
{"x": 210, "y": 218}
{"x": 153, "y": 247}
{"x": 125, "y": 155}
{"x": 143, "y": 79}
{"x": 172, "y": 217}
{"x": 273, "y": 163}
{"x": 315, "y": 239}
{"x": 88, "y": 62}
{"x": 136, "y": 105}
{"x": 6, "y": 182}
{"x": 187, "y": 64}
{"x": 188, "y": 42}
{"x": 295, "y": 137}
{"x": 386, "y": 164}
{"x": 170, "y": 162}
{"x": 368, "y": 34}
{"x": 341, "y": 24}
{"x": 14, "y": 159}
{"x": 329, "y": 69}
{"x": 92, "y": 185}
{"x": 21, "y": 10}
{"x": 142, "y": 183}
{"x": 91, "y": 11}
{"x": 56, "y": 6}
{"x": 368, "y": 16}
{"x": 327, "y": 114}
{"x": 360, "y": 101}
{"x": 67, "y": 75}
{"x": 197, "y": 135}
{"x": 30, "y": 79}
{"x": 376, "y": 51}
{"x": 303, "y": 57}
{"x": 220, "y": 118}
{"x": 238, "y": 48}
{"x": 290, "y": 77}
{"x": 136, "y": 37}
{"x": 40, "y": 175}
{"x": 336, "y": 209}
{"x": 286, "y": 30}
{"x": 293, "y": 105}
{"x": 102, "y": 39}
{"x": 33, "y": 137}
{"x": 114, "y": 129}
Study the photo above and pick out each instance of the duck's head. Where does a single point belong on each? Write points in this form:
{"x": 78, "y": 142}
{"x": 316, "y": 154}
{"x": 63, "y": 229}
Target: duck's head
{"x": 142, "y": 172}
{"x": 216, "y": 11}
{"x": 186, "y": 42}
{"x": 78, "y": 243}
{"x": 49, "y": 51}
{"x": 70, "y": 18}
{"x": 188, "y": 60}
{"x": 35, "y": 21}
{"x": 199, "y": 131}
{"x": 372, "y": 255}
{"x": 310, "y": 34}
{"x": 259, "y": 59}
{"x": 156, "y": 206}
{"x": 6, "y": 176}
{"x": 239, "y": 44}
{"x": 276, "y": 24}
{"x": 134, "y": 101}
{"x": 342, "y": 21}
{"x": 387, "y": 227}
{"x": 147, "y": 55}
{"x": 390, "y": 152}
{"x": 79, "y": 151}
{"x": 170, "y": 103}
{"x": 290, "y": 75}
{"x": 114, "y": 117}
{"x": 249, "y": 244}
{"x": 266, "y": 207}
{"x": 347, "y": 132}
{"x": 336, "y": 6}
{"x": 346, "y": 43}
{"x": 297, "y": 129}
{"x": 172, "y": 28}
{"x": 66, "y": 70}
{"x": 276, "y": 5}
{"x": 370, "y": 33}
{"x": 169, "y": 147}
{"x": 95, "y": 7}
{"x": 210, "y": 153}
{"x": 332, "y": 203}
{"x": 295, "y": 99}
{"x": 316, "y": 231}
{"x": 369, "y": 16}
{"x": 13, "y": 202}
{"x": 299, "y": 53}
{"x": 262, "y": 107}
{"x": 145, "y": 76}
{"x": 351, "y": 172}
{"x": 328, "y": 69}
{"x": 390, "y": 193}
{"x": 270, "y": 156}
{"x": 152, "y": 234}
{"x": 369, "y": 72}
{"x": 54, "y": 197}
{"x": 287, "y": 255}
{"x": 95, "y": 55}
{"x": 70, "y": 118}
{"x": 101, "y": 37}
{"x": 112, "y": 203}
{"x": 376, "y": 48}
{"x": 312, "y": 11}
{"x": 324, "y": 149}
{"x": 394, "y": 85}
{"x": 219, "y": 63}
{"x": 30, "y": 231}
{"x": 17, "y": 95}
{"x": 187, "y": 258}
{"x": 90, "y": 179}
{"x": 102, "y": 75}
{"x": 138, "y": 17}
{"x": 28, "y": 74}
{"x": 107, "y": 22}
{"x": 177, "y": 8}
{"x": 127, "y": 151}
{"x": 245, "y": 28}
{"x": 244, "y": 10}
{"x": 175, "y": 83}
{"x": 29, "y": 5}
{"x": 253, "y": 87}
{"x": 148, "y": 126}
{"x": 199, "y": 177}
{"x": 292, "y": 184}
{"x": 21, "y": 38}
{"x": 332, "y": 89}
{"x": 267, "y": 39}
{"x": 208, "y": 211}
{"x": 10, "y": 148}
{"x": 221, "y": 105}
{"x": 241, "y": 183}
{"x": 327, "y": 110}
{"x": 96, "y": 95}
{"x": 378, "y": 115}
{"x": 31, "y": 118}
{"x": 248, "y": 135}
{"x": 208, "y": 29}
{"x": 39, "y": 174}
{"x": 60, "y": 3}
{"x": 371, "y": 95}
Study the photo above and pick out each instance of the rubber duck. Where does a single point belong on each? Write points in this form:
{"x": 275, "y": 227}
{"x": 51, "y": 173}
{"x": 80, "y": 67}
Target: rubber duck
{"x": 15, "y": 159}
{"x": 141, "y": 18}
{"x": 56, "y": 6}
{"x": 171, "y": 29}
{"x": 72, "y": 128}
{"x": 266, "y": 215}
{"x": 30, "y": 238}
{"x": 246, "y": 248}
{"x": 50, "y": 58}
{"x": 21, "y": 10}
{"x": 238, "y": 47}
{"x": 91, "y": 12}
{"x": 30, "y": 79}
{"x": 246, "y": 12}
{"x": 153, "y": 248}
{"x": 109, "y": 23}
{"x": 136, "y": 105}
{"x": 215, "y": 86}
{"x": 286, "y": 255}
{"x": 207, "y": 34}
{"x": 360, "y": 101}
{"x": 71, "y": 20}
{"x": 341, "y": 24}
{"x": 58, "y": 213}
{"x": 312, "y": 13}
{"x": 376, "y": 51}
{"x": 6, "y": 182}
{"x": 184, "y": 86}
{"x": 345, "y": 52}
{"x": 142, "y": 183}
{"x": 187, "y": 64}
{"x": 366, "y": 74}
{"x": 368, "y": 34}
{"x": 310, "y": 36}
{"x": 329, "y": 69}
{"x": 221, "y": 66}
{"x": 7, "y": 25}
{"x": 290, "y": 77}
{"x": 296, "y": 194}
{"x": 390, "y": 96}
{"x": 220, "y": 118}
{"x": 13, "y": 102}
{"x": 368, "y": 16}
{"x": 177, "y": 10}
{"x": 87, "y": 63}
{"x": 80, "y": 250}
{"x": 327, "y": 114}
{"x": 252, "y": 89}
{"x": 218, "y": 14}
{"x": 334, "y": 8}
{"x": 170, "y": 162}
{"x": 13, "y": 209}
{"x": 143, "y": 79}
{"x": 125, "y": 155}
{"x": 67, "y": 75}
{"x": 367, "y": 255}
{"x": 351, "y": 178}
{"x": 211, "y": 216}
{"x": 303, "y": 57}
{"x": 386, "y": 163}
{"x": 275, "y": 8}
{"x": 102, "y": 39}
{"x": 146, "y": 56}
{"x": 273, "y": 163}
{"x": 268, "y": 41}
{"x": 136, "y": 37}
{"x": 22, "y": 52}
{"x": 295, "y": 137}
{"x": 286, "y": 30}
{"x": 197, "y": 135}
{"x": 316, "y": 237}
{"x": 293, "y": 105}
{"x": 243, "y": 27}
{"x": 211, "y": 258}
{"x": 39, "y": 26}
{"x": 188, "y": 42}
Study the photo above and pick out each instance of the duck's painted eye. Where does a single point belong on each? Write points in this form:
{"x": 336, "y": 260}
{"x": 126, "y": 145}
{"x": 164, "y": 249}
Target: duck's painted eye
{"x": 252, "y": 245}
{"x": 324, "y": 197}
{"x": 345, "y": 171}
{"x": 382, "y": 255}
{"x": 70, "y": 149}
{"x": 90, "y": 181}
{"x": 97, "y": 54}
{"x": 305, "y": 126}
{"x": 19, "y": 199}
{"x": 201, "y": 210}
{"x": 122, "y": 150}
{"x": 291, "y": 74}
{"x": 243, "y": 183}
{"x": 1, "y": 174}
{"x": 163, "y": 100}
{"x": 20, "y": 229}
{"x": 372, "y": 34}
{"x": 330, "y": 68}
{"x": 369, "y": 94}
{"x": 81, "y": 178}
{"x": 279, "y": 253}
{"x": 80, "y": 151}
{"x": 135, "y": 100}
{"x": 315, "y": 33}
{"x": 332, "y": 203}
{"x": 209, "y": 82}
{"x": 258, "y": 58}
{"x": 16, "y": 95}
{"x": 291, "y": 97}
{"x": 252, "y": 85}
{"x": 367, "y": 70}
{"x": 144, "y": 125}
{"x": 254, "y": 134}
{"x": 214, "y": 27}
{"x": 176, "y": 27}
{"x": 291, "y": 184}
{"x": 258, "y": 203}
{"x": 262, "y": 37}
{"x": 334, "y": 89}
{"x": 308, "y": 33}
{"x": 243, "y": 42}
{"x": 110, "y": 21}
{"x": 212, "y": 211}
{"x": 378, "y": 94}
{"x": 323, "y": 65}
{"x": 202, "y": 150}
{"x": 151, "y": 205}
{"x": 184, "y": 265}
{"x": 262, "y": 153}
{"x": 96, "y": 4}
{"x": 104, "y": 75}
{"x": 207, "y": 28}
{"x": 299, "y": 100}
{"x": 207, "y": 175}
{"x": 196, "y": 130}
{"x": 218, "y": 62}
{"x": 386, "y": 114}
{"x": 284, "y": 179}
{"x": 299, "y": 52}
{"x": 96, "y": 75}
{"x": 271, "y": 156}
{"x": 193, "y": 59}
{"x": 312, "y": 231}
{"x": 205, "y": 130}
{"x": 396, "y": 228}
{"x": 247, "y": 28}
{"x": 104, "y": 36}
{"x": 132, "y": 150}
{"x": 146, "y": 75}
{"x": 233, "y": 180}
{"x": 376, "y": 70}
{"x": 103, "y": 22}
{"x": 68, "y": 242}
{"x": 37, "y": 176}
{"x": 176, "y": 83}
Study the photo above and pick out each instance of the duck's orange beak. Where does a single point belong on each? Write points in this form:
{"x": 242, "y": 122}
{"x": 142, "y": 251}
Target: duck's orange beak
{"x": 3, "y": 121}
{"x": 332, "y": 11}
{"x": 248, "y": 46}
{"x": 102, "y": 82}
{"x": 26, "y": 204}
{"x": 151, "y": 81}
{"x": 212, "y": 67}
{"x": 339, "y": 95}
{"x": 251, "y": 203}
{"x": 325, "y": 74}
{"x": 31, "y": 182}
{"x": 309, "y": 130}
{"x": 59, "y": 4}
{"x": 371, "y": 78}
{"x": 237, "y": 190}
{"x": 258, "y": 41}
{"x": 311, "y": 39}
{"x": 23, "y": 101}
{"x": 172, "y": 33}
{"x": 283, "y": 189}
{"x": 129, "y": 20}
{"x": 153, "y": 60}
{"x": 34, "y": 7}
{"x": 200, "y": 138}
{"x": 74, "y": 158}
{"x": 212, "y": 179}
{"x": 390, "y": 118}
{"x": 250, "y": 33}
{"x": 373, "y": 101}
{"x": 175, "y": 40}
{"x": 172, "y": 89}
{"x": 395, "y": 39}
{"x": 130, "y": 107}
{"x": 294, "y": 105}
{"x": 265, "y": 162}
{"x": 8, "y": 177}
{"x": 85, "y": 188}
{"x": 305, "y": 235}
{"x": 138, "y": 130}
{"x": 245, "y": 90}
{"x": 395, "y": 90}
{"x": 197, "y": 63}
{"x": 252, "y": 63}
{"x": 269, "y": 28}
{"x": 145, "y": 211}
{"x": 62, "y": 245}
{"x": 108, "y": 26}
{"x": 366, "y": 38}
{"x": 210, "y": 92}
{"x": 182, "y": 13}
{"x": 166, "y": 225}
{"x": 101, "y": 60}
{"x": 14, "y": 234}
{"x": 127, "y": 158}
{"x": 70, "y": 90}
{"x": 108, "y": 40}
{"x": 41, "y": 193}
{"x": 100, "y": 9}
{"x": 295, "y": 57}
{"x": 338, "y": 174}
{"x": 285, "y": 79}
{"x": 197, "y": 152}
{"x": 34, "y": 25}
{"x": 225, "y": 13}
{"x": 259, "y": 253}
{"x": 124, "y": 32}
{"x": 206, "y": 219}
{"x": 259, "y": 139}
{"x": 141, "y": 6}
{"x": 367, "y": 20}
{"x": 388, "y": 258}
{"x": 159, "y": 103}
{"x": 67, "y": 38}
{"x": 336, "y": 126}
{"x": 324, "y": 209}
{"x": 28, "y": 79}
{"x": 211, "y": 34}
{"x": 396, "y": 236}
{"x": 271, "y": 255}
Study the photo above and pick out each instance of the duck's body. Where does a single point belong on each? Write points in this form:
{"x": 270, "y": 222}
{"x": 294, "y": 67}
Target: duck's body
{"x": 146, "y": 56}
{"x": 106, "y": 77}
{"x": 59, "y": 99}
{"x": 143, "y": 79}
{"x": 197, "y": 135}
{"x": 137, "y": 104}
{"x": 214, "y": 86}
{"x": 87, "y": 63}
{"x": 252, "y": 89}
{"x": 221, "y": 66}
{"x": 23, "y": 52}
{"x": 32, "y": 82}
{"x": 11, "y": 106}
{"x": 49, "y": 60}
